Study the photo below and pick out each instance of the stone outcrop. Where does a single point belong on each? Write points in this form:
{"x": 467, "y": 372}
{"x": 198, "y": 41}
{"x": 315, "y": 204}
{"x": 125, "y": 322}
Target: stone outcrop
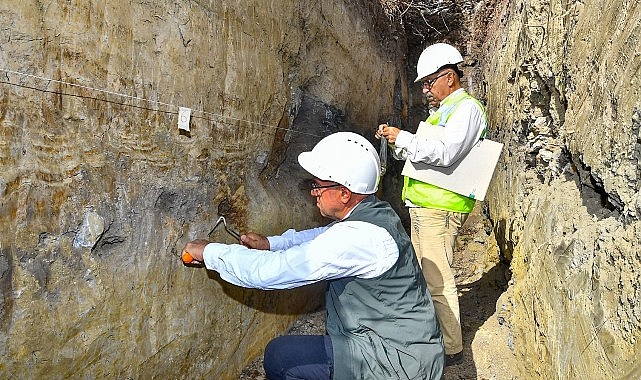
{"x": 99, "y": 189}
{"x": 562, "y": 88}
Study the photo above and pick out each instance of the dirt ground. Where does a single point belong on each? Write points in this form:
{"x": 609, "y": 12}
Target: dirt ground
{"x": 482, "y": 281}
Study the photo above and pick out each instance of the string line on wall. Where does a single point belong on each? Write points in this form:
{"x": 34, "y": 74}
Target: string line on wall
{"x": 131, "y": 97}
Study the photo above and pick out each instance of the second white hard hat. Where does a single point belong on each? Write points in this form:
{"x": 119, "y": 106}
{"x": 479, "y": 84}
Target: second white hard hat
{"x": 434, "y": 57}
{"x": 346, "y": 158}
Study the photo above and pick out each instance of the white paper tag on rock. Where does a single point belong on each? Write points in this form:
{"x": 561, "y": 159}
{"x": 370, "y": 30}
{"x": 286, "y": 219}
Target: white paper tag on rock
{"x": 184, "y": 115}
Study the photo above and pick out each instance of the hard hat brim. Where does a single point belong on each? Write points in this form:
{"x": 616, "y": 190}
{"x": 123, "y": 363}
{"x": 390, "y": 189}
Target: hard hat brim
{"x": 308, "y": 161}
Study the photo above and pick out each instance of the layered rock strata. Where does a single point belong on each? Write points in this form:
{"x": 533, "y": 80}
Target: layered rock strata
{"x": 99, "y": 189}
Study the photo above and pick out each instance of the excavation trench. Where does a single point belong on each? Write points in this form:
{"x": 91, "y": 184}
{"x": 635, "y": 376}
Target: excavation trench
{"x": 101, "y": 185}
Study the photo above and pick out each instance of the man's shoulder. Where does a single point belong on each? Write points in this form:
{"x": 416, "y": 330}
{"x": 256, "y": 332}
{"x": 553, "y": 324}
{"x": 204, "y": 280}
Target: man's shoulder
{"x": 472, "y": 99}
{"x": 472, "y": 104}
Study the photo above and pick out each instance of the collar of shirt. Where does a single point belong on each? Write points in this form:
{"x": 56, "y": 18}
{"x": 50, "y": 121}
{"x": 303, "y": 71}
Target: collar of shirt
{"x": 452, "y": 95}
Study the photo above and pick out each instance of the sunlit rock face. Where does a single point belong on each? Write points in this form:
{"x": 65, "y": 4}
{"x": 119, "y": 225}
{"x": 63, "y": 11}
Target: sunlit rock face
{"x": 563, "y": 95}
{"x": 99, "y": 189}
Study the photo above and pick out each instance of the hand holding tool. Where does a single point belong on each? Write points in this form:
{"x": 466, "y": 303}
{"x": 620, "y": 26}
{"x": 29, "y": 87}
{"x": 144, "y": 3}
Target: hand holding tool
{"x": 188, "y": 258}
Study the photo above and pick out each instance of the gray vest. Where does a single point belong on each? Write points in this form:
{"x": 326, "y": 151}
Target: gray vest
{"x": 384, "y": 327}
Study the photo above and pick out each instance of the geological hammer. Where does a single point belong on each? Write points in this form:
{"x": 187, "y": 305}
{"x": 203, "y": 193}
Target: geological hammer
{"x": 189, "y": 259}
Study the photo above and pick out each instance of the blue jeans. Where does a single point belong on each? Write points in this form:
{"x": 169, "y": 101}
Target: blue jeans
{"x": 297, "y": 357}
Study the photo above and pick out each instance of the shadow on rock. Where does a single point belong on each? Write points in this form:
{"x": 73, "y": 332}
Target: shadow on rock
{"x": 295, "y": 301}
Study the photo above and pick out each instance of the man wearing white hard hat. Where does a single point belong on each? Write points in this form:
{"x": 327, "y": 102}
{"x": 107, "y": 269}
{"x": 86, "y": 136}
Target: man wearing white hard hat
{"x": 436, "y": 213}
{"x": 380, "y": 318}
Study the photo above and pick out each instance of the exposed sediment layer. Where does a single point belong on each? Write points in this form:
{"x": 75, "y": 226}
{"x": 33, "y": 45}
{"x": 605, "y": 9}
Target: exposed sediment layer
{"x": 99, "y": 189}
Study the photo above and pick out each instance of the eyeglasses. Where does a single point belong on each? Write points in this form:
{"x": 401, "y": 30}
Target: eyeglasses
{"x": 314, "y": 186}
{"x": 428, "y": 83}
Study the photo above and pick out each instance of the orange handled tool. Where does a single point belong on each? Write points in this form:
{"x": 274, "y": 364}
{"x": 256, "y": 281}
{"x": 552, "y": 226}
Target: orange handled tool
{"x": 187, "y": 258}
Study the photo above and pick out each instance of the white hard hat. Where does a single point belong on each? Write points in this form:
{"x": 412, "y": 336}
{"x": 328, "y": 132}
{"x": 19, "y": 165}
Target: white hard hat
{"x": 434, "y": 57}
{"x": 346, "y": 158}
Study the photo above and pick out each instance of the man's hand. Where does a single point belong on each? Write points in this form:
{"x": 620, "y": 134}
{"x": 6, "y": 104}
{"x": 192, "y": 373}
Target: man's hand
{"x": 390, "y": 133}
{"x": 195, "y": 249}
{"x": 254, "y": 240}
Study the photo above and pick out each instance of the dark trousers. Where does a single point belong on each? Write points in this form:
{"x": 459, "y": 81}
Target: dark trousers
{"x": 298, "y": 357}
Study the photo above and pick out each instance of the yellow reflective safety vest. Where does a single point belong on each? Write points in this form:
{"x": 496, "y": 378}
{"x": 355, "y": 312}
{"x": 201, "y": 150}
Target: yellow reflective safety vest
{"x": 426, "y": 195}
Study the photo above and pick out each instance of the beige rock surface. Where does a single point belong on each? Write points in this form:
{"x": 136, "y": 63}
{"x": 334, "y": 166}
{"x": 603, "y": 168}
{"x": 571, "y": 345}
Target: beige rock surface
{"x": 563, "y": 95}
{"x": 99, "y": 190}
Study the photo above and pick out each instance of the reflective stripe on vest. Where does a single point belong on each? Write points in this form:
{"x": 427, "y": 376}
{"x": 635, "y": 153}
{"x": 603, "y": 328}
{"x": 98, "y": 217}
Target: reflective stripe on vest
{"x": 430, "y": 196}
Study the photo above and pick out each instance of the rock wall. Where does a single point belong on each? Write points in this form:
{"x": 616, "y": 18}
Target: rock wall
{"x": 562, "y": 87}
{"x": 99, "y": 190}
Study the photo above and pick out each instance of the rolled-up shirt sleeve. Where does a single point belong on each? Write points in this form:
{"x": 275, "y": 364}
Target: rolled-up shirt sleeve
{"x": 350, "y": 248}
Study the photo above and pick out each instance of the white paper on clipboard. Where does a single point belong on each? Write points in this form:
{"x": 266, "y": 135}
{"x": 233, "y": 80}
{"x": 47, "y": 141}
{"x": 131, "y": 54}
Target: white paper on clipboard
{"x": 469, "y": 176}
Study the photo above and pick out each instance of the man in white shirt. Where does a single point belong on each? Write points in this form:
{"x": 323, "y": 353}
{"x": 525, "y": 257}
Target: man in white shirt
{"x": 436, "y": 214}
{"x": 380, "y": 317}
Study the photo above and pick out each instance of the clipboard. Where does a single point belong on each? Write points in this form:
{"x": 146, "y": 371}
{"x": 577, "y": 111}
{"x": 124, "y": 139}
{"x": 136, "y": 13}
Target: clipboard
{"x": 469, "y": 176}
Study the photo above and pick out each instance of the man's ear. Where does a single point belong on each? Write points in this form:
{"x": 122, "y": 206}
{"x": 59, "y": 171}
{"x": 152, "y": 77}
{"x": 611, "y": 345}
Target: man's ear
{"x": 346, "y": 195}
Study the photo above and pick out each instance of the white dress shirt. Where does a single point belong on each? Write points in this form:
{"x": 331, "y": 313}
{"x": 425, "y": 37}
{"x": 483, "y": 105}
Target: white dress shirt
{"x": 297, "y": 258}
{"x": 462, "y": 130}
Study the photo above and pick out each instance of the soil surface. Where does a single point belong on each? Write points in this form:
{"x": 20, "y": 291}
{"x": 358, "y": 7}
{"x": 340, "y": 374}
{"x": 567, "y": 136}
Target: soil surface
{"x": 482, "y": 281}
